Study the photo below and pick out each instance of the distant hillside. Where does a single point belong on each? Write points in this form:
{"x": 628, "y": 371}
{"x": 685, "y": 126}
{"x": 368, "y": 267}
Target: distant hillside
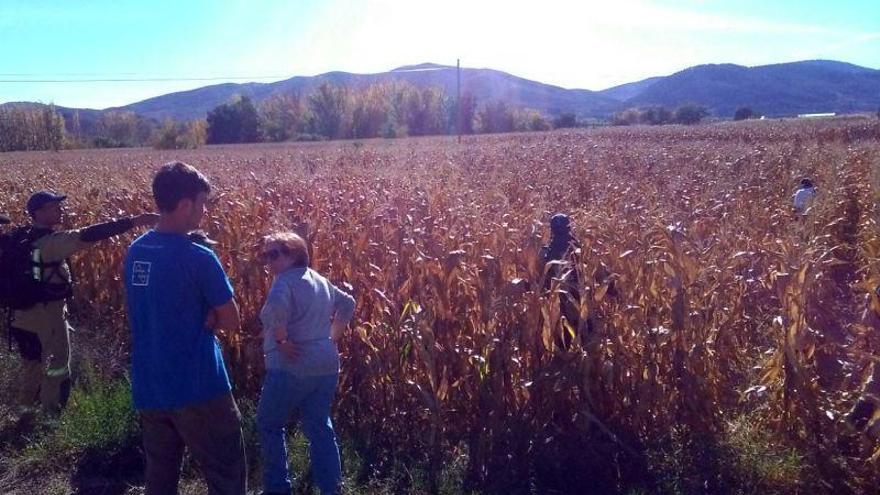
{"x": 485, "y": 84}
{"x": 629, "y": 90}
{"x": 772, "y": 90}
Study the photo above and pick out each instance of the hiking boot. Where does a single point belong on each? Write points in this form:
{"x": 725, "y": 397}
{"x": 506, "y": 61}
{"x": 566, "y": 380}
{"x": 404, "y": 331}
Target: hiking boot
{"x": 860, "y": 414}
{"x": 26, "y": 413}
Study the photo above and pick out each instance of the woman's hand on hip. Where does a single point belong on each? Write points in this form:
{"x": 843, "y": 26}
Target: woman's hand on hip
{"x": 289, "y": 350}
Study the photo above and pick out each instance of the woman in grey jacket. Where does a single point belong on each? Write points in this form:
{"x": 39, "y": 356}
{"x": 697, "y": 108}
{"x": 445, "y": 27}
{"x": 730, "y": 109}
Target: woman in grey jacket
{"x": 303, "y": 317}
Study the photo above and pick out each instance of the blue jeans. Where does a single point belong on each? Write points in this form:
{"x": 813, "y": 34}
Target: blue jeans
{"x": 283, "y": 393}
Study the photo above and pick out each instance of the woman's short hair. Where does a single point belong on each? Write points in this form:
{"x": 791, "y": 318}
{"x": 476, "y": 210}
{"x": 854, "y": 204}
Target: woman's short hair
{"x": 292, "y": 245}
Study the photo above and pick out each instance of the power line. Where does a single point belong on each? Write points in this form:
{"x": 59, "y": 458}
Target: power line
{"x": 140, "y": 79}
{"x": 68, "y": 77}
{"x": 77, "y": 74}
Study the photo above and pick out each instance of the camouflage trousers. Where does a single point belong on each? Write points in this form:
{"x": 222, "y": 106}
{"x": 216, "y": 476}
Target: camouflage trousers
{"x": 45, "y": 374}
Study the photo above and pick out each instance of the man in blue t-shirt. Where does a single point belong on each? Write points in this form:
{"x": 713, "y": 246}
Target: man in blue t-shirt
{"x": 178, "y": 296}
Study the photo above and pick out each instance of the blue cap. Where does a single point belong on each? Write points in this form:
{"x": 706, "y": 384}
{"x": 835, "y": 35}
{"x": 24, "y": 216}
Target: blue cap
{"x": 41, "y": 199}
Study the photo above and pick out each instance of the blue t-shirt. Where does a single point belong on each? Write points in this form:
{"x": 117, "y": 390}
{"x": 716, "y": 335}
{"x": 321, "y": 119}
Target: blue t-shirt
{"x": 171, "y": 284}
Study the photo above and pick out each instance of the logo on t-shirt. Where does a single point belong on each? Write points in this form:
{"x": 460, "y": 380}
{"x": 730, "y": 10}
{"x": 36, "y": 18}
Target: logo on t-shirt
{"x": 140, "y": 274}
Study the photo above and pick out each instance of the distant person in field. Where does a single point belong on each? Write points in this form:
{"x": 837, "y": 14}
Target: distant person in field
{"x": 303, "y": 319}
{"x": 805, "y": 195}
{"x": 35, "y": 284}
{"x": 178, "y": 298}
{"x": 559, "y": 257}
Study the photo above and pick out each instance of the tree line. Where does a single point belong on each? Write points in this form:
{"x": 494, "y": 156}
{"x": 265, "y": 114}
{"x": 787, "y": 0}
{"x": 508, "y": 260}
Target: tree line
{"x": 43, "y": 127}
{"x": 687, "y": 114}
{"x": 31, "y": 128}
{"x": 387, "y": 109}
{"x": 384, "y": 109}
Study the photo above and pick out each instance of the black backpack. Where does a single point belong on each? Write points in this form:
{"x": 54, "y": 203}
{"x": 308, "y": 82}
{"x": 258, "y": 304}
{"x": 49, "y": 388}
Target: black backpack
{"x": 22, "y": 272}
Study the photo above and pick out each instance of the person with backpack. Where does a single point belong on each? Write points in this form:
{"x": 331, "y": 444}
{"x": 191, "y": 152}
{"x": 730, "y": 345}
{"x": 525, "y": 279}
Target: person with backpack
{"x": 559, "y": 257}
{"x": 35, "y": 282}
{"x": 178, "y": 299}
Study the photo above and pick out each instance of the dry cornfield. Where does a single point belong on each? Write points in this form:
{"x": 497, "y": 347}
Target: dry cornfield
{"x": 703, "y": 297}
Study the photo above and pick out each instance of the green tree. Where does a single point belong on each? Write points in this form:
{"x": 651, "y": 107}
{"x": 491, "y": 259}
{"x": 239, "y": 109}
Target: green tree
{"x": 166, "y": 138}
{"x": 181, "y": 135}
{"x": 52, "y": 129}
{"x": 630, "y": 116}
{"x": 370, "y": 111}
{"x": 496, "y": 117}
{"x": 655, "y": 115}
{"x": 196, "y": 133}
{"x": 537, "y": 122}
{"x": 75, "y": 138}
{"x": 282, "y": 117}
{"x": 235, "y": 122}
{"x": 329, "y": 105}
{"x": 743, "y": 113}
{"x": 467, "y": 112}
{"x": 122, "y": 129}
{"x": 565, "y": 120}
{"x": 11, "y": 131}
{"x": 528, "y": 120}
{"x": 423, "y": 111}
{"x": 31, "y": 127}
{"x": 690, "y": 114}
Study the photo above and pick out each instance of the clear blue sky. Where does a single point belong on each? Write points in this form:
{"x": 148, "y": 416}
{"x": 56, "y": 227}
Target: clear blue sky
{"x": 573, "y": 43}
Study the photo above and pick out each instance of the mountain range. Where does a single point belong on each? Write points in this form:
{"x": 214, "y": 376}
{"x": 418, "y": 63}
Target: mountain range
{"x": 777, "y": 90}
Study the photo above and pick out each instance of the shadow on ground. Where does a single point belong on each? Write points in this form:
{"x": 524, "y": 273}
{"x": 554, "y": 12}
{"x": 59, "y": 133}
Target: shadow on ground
{"x": 101, "y": 473}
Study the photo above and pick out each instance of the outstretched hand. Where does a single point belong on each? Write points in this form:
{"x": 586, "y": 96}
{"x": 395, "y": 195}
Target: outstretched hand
{"x": 144, "y": 219}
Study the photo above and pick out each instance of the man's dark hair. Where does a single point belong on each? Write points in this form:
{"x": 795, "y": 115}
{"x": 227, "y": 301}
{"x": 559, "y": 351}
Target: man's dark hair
{"x": 176, "y": 181}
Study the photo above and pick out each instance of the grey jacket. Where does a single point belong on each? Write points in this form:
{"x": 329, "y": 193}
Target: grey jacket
{"x": 305, "y": 303}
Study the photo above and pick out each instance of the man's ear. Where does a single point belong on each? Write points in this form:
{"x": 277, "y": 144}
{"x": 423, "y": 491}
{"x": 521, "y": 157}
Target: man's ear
{"x": 184, "y": 205}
